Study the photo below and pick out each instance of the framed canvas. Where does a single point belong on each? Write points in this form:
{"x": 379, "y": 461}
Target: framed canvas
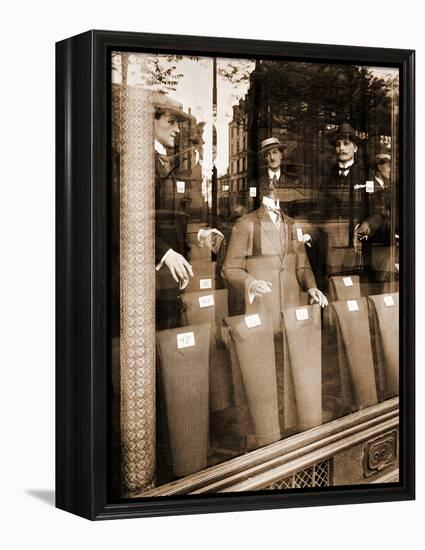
{"x": 235, "y": 274}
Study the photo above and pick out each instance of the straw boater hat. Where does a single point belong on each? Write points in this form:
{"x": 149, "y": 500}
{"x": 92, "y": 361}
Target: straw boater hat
{"x": 271, "y": 143}
{"x": 163, "y": 102}
{"x": 345, "y": 131}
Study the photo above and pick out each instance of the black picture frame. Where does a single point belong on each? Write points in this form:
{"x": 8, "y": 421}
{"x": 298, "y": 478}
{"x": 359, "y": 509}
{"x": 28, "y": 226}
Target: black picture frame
{"x": 82, "y": 270}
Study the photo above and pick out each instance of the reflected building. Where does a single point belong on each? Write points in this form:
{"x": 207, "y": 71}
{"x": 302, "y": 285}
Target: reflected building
{"x": 238, "y": 155}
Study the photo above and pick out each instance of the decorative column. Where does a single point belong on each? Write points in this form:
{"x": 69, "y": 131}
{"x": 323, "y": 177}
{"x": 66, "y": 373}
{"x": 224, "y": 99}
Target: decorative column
{"x": 137, "y": 290}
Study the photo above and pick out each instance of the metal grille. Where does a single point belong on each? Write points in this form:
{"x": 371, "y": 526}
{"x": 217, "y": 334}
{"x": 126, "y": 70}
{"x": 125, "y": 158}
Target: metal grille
{"x": 313, "y": 476}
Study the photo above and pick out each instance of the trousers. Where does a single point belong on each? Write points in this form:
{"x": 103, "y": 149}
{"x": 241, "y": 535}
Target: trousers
{"x": 355, "y": 358}
{"x": 255, "y": 353}
{"x": 302, "y": 338}
{"x": 386, "y": 337}
{"x": 219, "y": 368}
{"x": 184, "y": 373}
{"x": 339, "y": 290}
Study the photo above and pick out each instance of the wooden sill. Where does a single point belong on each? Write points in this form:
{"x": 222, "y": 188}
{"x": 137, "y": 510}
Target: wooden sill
{"x": 258, "y": 468}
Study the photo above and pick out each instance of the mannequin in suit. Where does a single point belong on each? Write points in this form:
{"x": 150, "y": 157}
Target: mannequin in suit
{"x": 344, "y": 203}
{"x": 266, "y": 259}
{"x": 171, "y": 247}
{"x": 267, "y": 265}
{"x": 171, "y": 217}
{"x": 379, "y": 231}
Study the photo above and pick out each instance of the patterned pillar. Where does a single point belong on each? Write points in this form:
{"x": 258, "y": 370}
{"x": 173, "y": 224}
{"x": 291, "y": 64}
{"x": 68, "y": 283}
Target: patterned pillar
{"x": 137, "y": 291}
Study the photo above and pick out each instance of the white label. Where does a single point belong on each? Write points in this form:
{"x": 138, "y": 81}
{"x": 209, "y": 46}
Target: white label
{"x": 369, "y": 187}
{"x": 352, "y": 305}
{"x": 348, "y": 281}
{"x": 300, "y": 237}
{"x": 206, "y": 301}
{"x": 388, "y": 301}
{"x": 252, "y": 191}
{"x": 252, "y": 320}
{"x": 185, "y": 340}
{"x": 301, "y": 314}
{"x": 205, "y": 283}
{"x": 181, "y": 185}
{"x": 397, "y": 266}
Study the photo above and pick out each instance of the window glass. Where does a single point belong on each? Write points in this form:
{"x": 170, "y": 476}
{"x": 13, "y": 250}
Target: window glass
{"x": 259, "y": 268}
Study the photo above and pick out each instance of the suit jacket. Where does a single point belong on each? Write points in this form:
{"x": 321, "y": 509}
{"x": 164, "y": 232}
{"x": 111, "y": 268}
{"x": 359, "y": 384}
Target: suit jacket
{"x": 259, "y": 250}
{"x": 171, "y": 219}
{"x": 345, "y": 198}
{"x": 343, "y": 202}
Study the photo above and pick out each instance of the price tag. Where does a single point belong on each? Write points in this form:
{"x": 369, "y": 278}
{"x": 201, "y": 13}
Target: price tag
{"x": 388, "y": 301}
{"x": 181, "y": 186}
{"x": 185, "y": 340}
{"x": 348, "y": 281}
{"x": 369, "y": 187}
{"x": 252, "y": 320}
{"x": 352, "y": 305}
{"x": 300, "y": 237}
{"x": 252, "y": 191}
{"x": 301, "y": 314}
{"x": 205, "y": 283}
{"x": 206, "y": 301}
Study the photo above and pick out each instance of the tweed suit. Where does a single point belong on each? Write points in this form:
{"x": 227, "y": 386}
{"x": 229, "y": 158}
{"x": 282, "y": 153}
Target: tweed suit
{"x": 258, "y": 250}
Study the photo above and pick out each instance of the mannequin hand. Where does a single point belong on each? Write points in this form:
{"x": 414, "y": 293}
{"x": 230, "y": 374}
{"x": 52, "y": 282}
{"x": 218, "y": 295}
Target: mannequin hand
{"x": 211, "y": 238}
{"x": 179, "y": 267}
{"x": 315, "y": 296}
{"x": 259, "y": 288}
{"x": 362, "y": 230}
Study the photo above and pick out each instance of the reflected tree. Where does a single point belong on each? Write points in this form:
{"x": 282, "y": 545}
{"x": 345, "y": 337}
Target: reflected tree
{"x": 319, "y": 95}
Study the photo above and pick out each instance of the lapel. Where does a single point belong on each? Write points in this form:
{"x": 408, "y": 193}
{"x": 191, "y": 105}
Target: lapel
{"x": 162, "y": 171}
{"x": 271, "y": 232}
{"x": 282, "y": 179}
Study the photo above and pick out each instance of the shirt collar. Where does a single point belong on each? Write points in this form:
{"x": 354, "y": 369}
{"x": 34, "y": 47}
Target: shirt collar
{"x": 346, "y": 165}
{"x": 270, "y": 203}
{"x": 159, "y": 148}
{"x": 273, "y": 174}
{"x": 380, "y": 181}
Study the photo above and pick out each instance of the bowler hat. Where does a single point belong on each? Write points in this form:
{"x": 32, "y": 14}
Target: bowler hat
{"x": 383, "y": 154}
{"x": 163, "y": 102}
{"x": 271, "y": 143}
{"x": 345, "y": 131}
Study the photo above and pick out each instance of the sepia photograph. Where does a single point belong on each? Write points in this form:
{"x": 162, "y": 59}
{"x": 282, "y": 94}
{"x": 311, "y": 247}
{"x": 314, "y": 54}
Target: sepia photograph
{"x": 212, "y": 234}
{"x": 254, "y": 236}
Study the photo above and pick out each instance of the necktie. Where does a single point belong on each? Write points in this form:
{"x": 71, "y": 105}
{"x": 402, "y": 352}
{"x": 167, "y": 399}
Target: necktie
{"x": 273, "y": 182}
{"x": 343, "y": 170}
{"x": 165, "y": 161}
{"x": 275, "y": 215}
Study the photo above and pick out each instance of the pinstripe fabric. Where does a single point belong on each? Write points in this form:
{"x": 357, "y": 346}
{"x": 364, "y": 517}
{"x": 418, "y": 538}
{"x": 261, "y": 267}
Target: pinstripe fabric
{"x": 245, "y": 426}
{"x": 185, "y": 381}
{"x": 256, "y": 356}
{"x": 386, "y": 329}
{"x": 202, "y": 269}
{"x": 219, "y": 368}
{"x": 355, "y": 354}
{"x": 303, "y": 341}
{"x": 338, "y": 290}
